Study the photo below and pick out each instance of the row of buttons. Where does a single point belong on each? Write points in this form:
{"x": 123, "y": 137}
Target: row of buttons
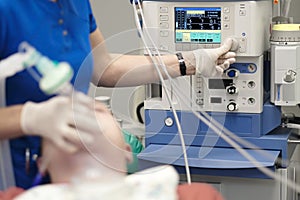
{"x": 189, "y": 47}
{"x": 226, "y": 18}
{"x": 226, "y": 25}
{"x": 164, "y": 18}
{"x": 198, "y": 90}
{"x": 163, "y": 24}
{"x": 242, "y": 11}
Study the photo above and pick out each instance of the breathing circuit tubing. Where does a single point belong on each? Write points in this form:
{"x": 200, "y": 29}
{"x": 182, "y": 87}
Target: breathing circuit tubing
{"x": 53, "y": 77}
{"x": 213, "y": 124}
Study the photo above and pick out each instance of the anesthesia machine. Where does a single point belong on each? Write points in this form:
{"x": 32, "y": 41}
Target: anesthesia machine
{"x": 246, "y": 101}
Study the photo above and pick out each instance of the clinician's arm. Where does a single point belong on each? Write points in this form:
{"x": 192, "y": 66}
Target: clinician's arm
{"x": 10, "y": 118}
{"x": 132, "y": 70}
{"x": 127, "y": 70}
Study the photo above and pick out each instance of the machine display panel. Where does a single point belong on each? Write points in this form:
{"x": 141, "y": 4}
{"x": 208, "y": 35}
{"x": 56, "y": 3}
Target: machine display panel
{"x": 198, "y": 25}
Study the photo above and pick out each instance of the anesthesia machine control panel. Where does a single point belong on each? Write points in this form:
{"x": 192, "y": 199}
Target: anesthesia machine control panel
{"x": 245, "y": 100}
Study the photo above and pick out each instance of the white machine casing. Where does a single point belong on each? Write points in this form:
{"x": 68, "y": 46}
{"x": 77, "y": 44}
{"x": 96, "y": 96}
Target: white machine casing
{"x": 285, "y": 58}
{"x": 247, "y": 21}
{"x": 239, "y": 104}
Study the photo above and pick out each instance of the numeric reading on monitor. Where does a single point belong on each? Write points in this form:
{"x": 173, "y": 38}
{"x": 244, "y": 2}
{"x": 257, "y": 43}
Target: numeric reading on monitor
{"x": 198, "y": 25}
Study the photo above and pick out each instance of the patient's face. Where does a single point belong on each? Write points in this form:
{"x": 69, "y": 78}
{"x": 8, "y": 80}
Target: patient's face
{"x": 107, "y": 154}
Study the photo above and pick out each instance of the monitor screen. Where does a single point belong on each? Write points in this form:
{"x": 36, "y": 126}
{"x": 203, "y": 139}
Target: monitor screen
{"x": 198, "y": 25}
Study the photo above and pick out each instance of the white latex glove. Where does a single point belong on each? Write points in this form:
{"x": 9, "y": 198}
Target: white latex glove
{"x": 66, "y": 122}
{"x": 12, "y": 65}
{"x": 211, "y": 62}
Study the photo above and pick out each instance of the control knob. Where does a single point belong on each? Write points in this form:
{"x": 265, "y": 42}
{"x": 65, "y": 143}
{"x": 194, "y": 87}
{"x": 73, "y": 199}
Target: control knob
{"x": 232, "y": 89}
{"x": 232, "y": 106}
{"x": 232, "y": 73}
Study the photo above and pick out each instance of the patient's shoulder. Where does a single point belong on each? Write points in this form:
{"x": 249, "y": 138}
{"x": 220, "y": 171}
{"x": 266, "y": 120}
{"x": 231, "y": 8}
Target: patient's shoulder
{"x": 154, "y": 183}
{"x": 48, "y": 191}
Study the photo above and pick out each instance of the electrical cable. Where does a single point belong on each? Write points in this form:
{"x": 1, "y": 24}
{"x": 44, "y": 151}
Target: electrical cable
{"x": 172, "y": 107}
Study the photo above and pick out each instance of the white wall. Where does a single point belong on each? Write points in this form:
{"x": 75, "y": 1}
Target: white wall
{"x": 113, "y": 16}
{"x": 295, "y": 10}
{"x": 116, "y": 22}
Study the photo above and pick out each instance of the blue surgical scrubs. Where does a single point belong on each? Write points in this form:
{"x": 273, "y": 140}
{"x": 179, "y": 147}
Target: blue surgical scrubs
{"x": 61, "y": 32}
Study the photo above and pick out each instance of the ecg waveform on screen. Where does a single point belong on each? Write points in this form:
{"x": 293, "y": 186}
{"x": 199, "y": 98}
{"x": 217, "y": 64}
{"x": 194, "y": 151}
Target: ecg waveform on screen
{"x": 198, "y": 25}
{"x": 198, "y": 20}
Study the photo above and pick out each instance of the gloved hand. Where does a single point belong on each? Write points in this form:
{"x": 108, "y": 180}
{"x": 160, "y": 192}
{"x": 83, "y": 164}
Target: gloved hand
{"x": 66, "y": 123}
{"x": 12, "y": 64}
{"x": 211, "y": 62}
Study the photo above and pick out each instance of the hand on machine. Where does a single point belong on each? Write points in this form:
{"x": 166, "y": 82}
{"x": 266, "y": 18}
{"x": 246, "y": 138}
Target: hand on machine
{"x": 212, "y": 62}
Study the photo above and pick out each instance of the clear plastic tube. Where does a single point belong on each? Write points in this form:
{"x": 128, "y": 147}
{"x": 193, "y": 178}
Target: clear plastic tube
{"x": 285, "y": 7}
{"x": 53, "y": 77}
{"x": 172, "y": 107}
{"x": 291, "y": 125}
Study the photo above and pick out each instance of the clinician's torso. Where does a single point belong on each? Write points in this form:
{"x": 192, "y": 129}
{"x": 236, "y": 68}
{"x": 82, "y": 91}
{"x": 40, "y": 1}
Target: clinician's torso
{"x": 58, "y": 30}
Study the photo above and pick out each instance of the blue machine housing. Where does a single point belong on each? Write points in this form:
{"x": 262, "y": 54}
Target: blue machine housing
{"x": 208, "y": 153}
{"x": 241, "y": 124}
